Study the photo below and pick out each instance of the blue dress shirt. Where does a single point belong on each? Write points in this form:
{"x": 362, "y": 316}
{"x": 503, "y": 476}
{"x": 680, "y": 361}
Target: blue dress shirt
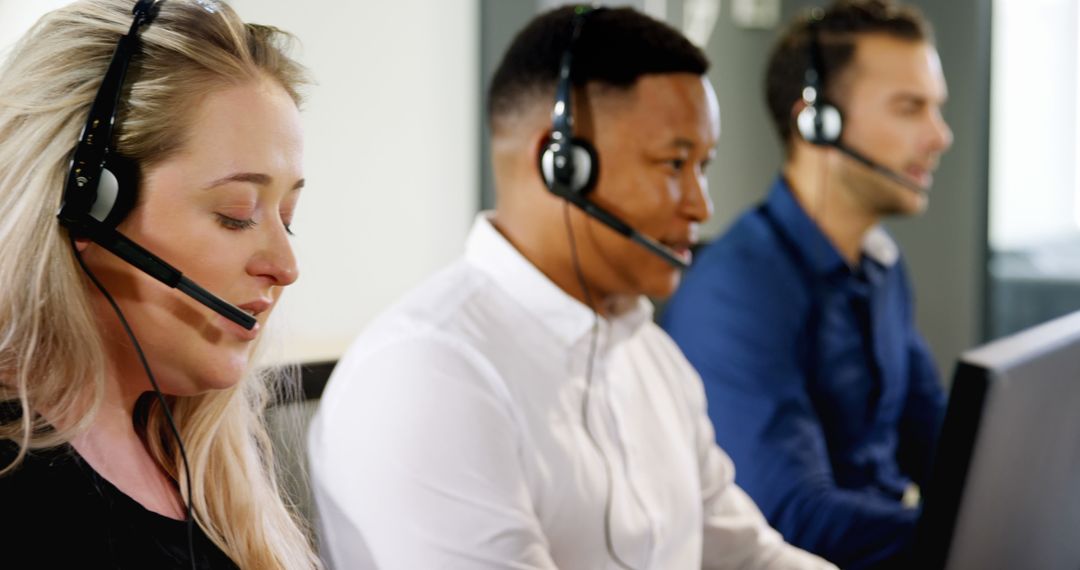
{"x": 818, "y": 384}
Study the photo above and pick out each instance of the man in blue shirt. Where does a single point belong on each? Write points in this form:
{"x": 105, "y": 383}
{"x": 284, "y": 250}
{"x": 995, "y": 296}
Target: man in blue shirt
{"x": 800, "y": 317}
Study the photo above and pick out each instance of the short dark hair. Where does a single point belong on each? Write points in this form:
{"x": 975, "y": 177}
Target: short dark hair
{"x": 837, "y": 28}
{"x": 616, "y": 47}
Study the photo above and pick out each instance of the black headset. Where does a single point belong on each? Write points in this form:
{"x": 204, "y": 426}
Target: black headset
{"x": 570, "y": 165}
{"x": 820, "y": 122}
{"x": 102, "y": 186}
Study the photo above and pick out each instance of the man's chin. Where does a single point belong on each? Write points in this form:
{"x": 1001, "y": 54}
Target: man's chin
{"x": 901, "y": 200}
{"x": 663, "y": 287}
{"x": 914, "y": 204}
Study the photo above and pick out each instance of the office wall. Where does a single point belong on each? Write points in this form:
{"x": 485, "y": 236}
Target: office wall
{"x": 500, "y": 20}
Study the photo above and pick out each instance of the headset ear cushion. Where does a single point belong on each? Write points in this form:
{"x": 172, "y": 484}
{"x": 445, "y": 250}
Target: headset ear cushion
{"x": 832, "y": 123}
{"x": 584, "y": 167}
{"x": 820, "y": 124}
{"x": 117, "y": 191}
{"x": 546, "y": 163}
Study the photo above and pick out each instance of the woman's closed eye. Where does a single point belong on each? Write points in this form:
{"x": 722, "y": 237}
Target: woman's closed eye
{"x": 231, "y": 223}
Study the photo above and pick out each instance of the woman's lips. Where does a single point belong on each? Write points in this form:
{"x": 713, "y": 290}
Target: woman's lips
{"x": 241, "y": 332}
{"x": 253, "y": 308}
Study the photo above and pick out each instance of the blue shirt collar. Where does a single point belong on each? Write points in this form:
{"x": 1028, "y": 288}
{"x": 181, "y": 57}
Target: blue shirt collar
{"x": 801, "y": 232}
{"x": 812, "y": 244}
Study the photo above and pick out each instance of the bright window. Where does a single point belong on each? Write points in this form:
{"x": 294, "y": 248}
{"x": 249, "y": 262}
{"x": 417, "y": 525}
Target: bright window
{"x": 1034, "y": 171}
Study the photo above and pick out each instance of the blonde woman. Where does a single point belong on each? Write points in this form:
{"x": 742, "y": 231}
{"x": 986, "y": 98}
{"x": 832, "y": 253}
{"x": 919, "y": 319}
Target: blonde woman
{"x": 206, "y": 150}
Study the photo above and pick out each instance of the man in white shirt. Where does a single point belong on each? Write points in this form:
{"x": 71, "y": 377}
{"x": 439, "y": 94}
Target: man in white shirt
{"x": 520, "y": 409}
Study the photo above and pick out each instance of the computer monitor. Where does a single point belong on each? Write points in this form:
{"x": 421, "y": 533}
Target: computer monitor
{"x": 1004, "y": 490}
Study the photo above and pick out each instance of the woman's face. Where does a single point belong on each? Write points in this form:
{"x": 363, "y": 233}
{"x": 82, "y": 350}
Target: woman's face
{"x": 219, "y": 211}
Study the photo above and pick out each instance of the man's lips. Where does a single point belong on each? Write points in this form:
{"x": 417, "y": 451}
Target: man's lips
{"x": 924, "y": 177}
{"x": 921, "y": 171}
{"x": 680, "y": 246}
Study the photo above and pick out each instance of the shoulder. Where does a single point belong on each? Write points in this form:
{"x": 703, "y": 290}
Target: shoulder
{"x": 745, "y": 277}
{"x": 426, "y": 324}
{"x": 680, "y": 379}
{"x": 746, "y": 262}
{"x": 654, "y": 343}
{"x": 437, "y": 328}
{"x": 39, "y": 470}
{"x": 424, "y": 360}
{"x": 388, "y": 379}
{"x": 45, "y": 483}
{"x": 658, "y": 345}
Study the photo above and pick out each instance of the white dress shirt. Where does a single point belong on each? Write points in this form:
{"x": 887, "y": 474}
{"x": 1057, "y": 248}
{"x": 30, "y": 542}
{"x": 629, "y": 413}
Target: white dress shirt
{"x": 451, "y": 435}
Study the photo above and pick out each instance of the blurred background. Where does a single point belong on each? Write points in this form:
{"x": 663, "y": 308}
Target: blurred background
{"x": 396, "y": 150}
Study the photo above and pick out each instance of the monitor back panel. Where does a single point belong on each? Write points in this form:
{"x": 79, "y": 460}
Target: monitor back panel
{"x": 1007, "y": 473}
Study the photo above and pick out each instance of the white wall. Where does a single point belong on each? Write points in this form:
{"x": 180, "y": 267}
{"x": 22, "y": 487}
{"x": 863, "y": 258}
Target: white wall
{"x": 390, "y": 159}
{"x": 391, "y": 137}
{"x": 16, "y": 16}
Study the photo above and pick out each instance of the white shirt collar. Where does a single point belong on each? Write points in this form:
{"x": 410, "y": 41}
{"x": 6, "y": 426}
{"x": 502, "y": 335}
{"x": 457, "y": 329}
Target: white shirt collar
{"x": 564, "y": 316}
{"x": 880, "y": 247}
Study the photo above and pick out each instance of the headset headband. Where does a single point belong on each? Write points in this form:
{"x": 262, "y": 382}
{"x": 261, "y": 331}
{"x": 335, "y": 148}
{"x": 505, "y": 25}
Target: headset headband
{"x": 562, "y": 119}
{"x": 95, "y": 142}
{"x": 814, "y": 78}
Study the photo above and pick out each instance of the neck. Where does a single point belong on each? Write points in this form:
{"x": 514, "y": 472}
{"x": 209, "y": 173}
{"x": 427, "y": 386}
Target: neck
{"x": 829, "y": 203}
{"x": 549, "y": 252}
{"x": 117, "y": 452}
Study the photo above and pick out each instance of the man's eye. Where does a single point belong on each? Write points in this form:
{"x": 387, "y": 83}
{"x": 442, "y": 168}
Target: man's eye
{"x": 909, "y": 108}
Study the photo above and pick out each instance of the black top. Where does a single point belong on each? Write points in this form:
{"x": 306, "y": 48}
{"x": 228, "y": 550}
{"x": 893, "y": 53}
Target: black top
{"x": 57, "y": 512}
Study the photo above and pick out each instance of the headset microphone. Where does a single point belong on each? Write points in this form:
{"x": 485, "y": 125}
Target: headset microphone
{"x": 569, "y": 165}
{"x": 101, "y": 186}
{"x": 136, "y": 255}
{"x": 821, "y": 123}
{"x": 613, "y": 222}
{"x": 879, "y": 168}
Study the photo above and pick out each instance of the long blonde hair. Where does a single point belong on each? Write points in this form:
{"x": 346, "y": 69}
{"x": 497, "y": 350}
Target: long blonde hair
{"x": 51, "y": 350}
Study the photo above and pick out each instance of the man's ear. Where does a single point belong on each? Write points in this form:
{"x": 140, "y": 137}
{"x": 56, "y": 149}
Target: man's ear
{"x": 796, "y": 108}
{"x": 540, "y": 141}
{"x": 81, "y": 244}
